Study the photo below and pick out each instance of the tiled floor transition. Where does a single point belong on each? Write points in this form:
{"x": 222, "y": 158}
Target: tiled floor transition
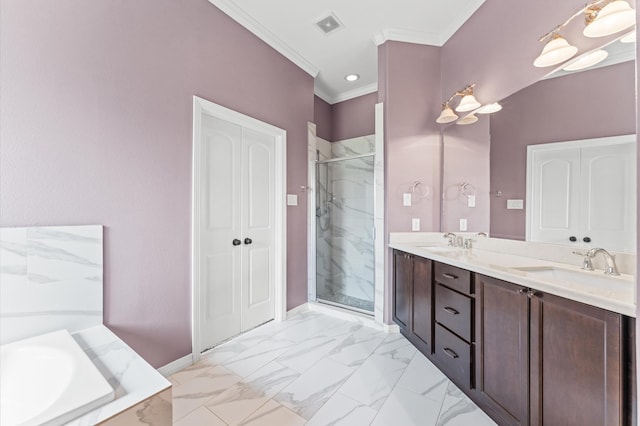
{"x": 314, "y": 369}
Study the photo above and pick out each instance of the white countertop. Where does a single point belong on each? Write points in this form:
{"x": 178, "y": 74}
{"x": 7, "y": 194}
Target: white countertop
{"x": 131, "y": 377}
{"x": 618, "y": 295}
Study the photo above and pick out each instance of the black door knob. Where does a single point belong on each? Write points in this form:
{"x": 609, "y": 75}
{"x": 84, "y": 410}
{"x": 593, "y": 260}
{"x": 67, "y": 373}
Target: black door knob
{"x": 236, "y": 242}
{"x": 248, "y": 240}
{"x": 586, "y": 239}
{"x": 573, "y": 239}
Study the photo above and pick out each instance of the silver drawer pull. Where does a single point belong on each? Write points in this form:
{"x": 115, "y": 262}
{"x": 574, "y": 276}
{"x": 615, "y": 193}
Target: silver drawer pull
{"x": 450, "y": 353}
{"x": 451, "y": 310}
{"x": 450, "y": 276}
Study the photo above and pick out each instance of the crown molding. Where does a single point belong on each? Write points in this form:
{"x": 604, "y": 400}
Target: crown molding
{"x": 243, "y": 18}
{"x": 408, "y": 36}
{"x": 345, "y": 96}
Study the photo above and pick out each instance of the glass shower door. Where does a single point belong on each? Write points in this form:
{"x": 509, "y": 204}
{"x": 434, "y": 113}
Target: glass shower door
{"x": 345, "y": 232}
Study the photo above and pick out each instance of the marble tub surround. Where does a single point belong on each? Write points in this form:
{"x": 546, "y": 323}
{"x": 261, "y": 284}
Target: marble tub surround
{"x": 315, "y": 369}
{"x": 501, "y": 259}
{"x": 50, "y": 279}
{"x": 140, "y": 391}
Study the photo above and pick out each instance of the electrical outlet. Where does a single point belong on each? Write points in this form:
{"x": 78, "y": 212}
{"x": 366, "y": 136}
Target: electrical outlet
{"x": 463, "y": 224}
{"x": 471, "y": 201}
{"x": 406, "y": 199}
{"x": 415, "y": 224}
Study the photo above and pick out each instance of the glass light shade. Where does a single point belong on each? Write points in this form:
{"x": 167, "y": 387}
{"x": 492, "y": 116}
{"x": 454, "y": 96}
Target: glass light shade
{"x": 587, "y": 60}
{"x": 616, "y": 16}
{"x": 469, "y": 119}
{"x": 489, "y": 108}
{"x": 468, "y": 103}
{"x": 629, "y": 38}
{"x": 447, "y": 115}
{"x": 557, "y": 50}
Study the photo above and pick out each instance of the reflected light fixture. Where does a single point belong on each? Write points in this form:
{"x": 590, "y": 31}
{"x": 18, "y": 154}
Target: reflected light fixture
{"x": 556, "y": 51}
{"x": 469, "y": 119}
{"x": 602, "y": 21}
{"x": 447, "y": 115}
{"x": 467, "y": 103}
{"x": 629, "y": 38}
{"x": 351, "y": 77}
{"x": 587, "y": 60}
{"x": 601, "y": 17}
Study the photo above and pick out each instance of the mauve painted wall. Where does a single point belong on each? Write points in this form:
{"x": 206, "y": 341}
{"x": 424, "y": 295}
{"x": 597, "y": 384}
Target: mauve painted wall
{"x": 409, "y": 86}
{"x": 466, "y": 160}
{"x": 96, "y": 126}
{"x": 572, "y": 107}
{"x": 322, "y": 118}
{"x": 354, "y": 117}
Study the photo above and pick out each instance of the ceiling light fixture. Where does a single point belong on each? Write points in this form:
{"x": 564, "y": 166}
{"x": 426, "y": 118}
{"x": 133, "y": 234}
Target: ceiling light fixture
{"x": 467, "y": 103}
{"x": 587, "y": 60}
{"x": 601, "y": 17}
{"x": 351, "y": 77}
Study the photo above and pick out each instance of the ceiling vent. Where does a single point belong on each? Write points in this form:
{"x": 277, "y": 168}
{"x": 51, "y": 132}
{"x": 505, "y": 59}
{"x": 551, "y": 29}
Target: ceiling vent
{"x": 329, "y": 24}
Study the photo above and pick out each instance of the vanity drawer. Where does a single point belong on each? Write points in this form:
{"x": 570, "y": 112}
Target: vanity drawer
{"x": 455, "y": 278}
{"x": 454, "y": 311}
{"x": 454, "y": 355}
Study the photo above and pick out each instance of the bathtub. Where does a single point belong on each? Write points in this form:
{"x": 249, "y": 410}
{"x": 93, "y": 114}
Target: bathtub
{"x": 48, "y": 380}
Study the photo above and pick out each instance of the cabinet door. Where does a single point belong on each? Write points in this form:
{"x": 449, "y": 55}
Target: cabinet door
{"x": 402, "y": 288}
{"x": 422, "y": 300}
{"x": 502, "y": 349}
{"x": 576, "y": 366}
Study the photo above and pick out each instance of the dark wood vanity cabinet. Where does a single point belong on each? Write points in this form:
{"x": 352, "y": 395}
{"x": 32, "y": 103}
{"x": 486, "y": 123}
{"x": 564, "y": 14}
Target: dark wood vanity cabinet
{"x": 547, "y": 360}
{"x": 525, "y": 357}
{"x": 412, "y": 301}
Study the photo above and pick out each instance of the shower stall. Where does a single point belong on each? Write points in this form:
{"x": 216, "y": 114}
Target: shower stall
{"x": 344, "y": 207}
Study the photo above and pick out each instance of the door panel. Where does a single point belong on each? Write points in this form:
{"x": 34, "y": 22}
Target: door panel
{"x": 609, "y": 180}
{"x": 220, "y": 260}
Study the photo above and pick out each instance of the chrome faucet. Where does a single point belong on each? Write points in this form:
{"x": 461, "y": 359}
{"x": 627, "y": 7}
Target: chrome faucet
{"x": 452, "y": 238}
{"x": 610, "y": 269}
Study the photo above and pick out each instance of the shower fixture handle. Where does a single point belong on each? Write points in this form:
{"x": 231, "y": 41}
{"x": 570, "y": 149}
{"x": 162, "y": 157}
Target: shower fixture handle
{"x": 236, "y": 242}
{"x": 248, "y": 240}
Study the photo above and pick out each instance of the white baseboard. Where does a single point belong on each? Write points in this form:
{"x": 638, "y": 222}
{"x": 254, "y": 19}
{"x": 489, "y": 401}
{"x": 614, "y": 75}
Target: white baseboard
{"x": 298, "y": 310}
{"x": 391, "y": 328}
{"x": 175, "y": 366}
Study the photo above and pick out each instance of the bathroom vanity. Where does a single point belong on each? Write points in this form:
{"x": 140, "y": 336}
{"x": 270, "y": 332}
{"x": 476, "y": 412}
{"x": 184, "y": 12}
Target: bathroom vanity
{"x": 525, "y": 348}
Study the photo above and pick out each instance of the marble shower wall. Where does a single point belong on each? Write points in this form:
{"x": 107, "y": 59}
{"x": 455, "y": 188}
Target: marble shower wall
{"x": 345, "y": 251}
{"x": 50, "y": 278}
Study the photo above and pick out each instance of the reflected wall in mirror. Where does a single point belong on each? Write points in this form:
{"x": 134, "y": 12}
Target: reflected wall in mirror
{"x": 491, "y": 155}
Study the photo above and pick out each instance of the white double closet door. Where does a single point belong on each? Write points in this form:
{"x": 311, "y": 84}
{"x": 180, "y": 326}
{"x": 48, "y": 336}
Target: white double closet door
{"x": 237, "y": 224}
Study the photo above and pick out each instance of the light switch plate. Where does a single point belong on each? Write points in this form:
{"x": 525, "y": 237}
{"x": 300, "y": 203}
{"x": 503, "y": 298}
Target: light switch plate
{"x": 415, "y": 224}
{"x": 463, "y": 224}
{"x": 292, "y": 200}
{"x": 471, "y": 201}
{"x": 406, "y": 199}
{"x": 515, "y": 204}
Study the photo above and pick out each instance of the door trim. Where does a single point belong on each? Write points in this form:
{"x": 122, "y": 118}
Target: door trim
{"x": 201, "y": 107}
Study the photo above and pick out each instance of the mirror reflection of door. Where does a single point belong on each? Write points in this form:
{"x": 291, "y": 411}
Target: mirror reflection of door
{"x": 583, "y": 193}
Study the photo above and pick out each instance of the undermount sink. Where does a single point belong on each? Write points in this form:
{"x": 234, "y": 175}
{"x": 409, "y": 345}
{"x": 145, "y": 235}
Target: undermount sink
{"x": 585, "y": 280}
{"x": 440, "y": 249}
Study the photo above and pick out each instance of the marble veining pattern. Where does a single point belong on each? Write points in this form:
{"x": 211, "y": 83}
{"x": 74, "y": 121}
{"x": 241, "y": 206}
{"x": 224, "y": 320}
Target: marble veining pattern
{"x": 336, "y": 372}
{"x": 50, "y": 279}
{"x": 345, "y": 218}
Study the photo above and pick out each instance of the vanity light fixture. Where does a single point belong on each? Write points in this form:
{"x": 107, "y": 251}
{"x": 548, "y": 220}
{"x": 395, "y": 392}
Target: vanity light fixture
{"x": 601, "y": 17}
{"x": 556, "y": 51}
{"x": 469, "y": 119}
{"x": 467, "y": 103}
{"x": 351, "y": 77}
{"x": 605, "y": 18}
{"x": 587, "y": 60}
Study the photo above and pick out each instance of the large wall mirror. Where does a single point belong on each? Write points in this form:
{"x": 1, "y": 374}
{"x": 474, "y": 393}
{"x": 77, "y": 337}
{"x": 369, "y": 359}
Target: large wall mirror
{"x": 569, "y": 128}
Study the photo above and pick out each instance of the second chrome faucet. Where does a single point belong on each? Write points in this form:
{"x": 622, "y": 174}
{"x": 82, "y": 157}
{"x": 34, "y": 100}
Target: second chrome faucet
{"x": 610, "y": 269}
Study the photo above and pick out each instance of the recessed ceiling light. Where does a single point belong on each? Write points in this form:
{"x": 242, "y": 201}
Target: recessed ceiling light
{"x": 351, "y": 77}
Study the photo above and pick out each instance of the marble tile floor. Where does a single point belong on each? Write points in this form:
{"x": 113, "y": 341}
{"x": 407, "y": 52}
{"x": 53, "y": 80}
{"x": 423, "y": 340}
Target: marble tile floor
{"x": 314, "y": 369}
